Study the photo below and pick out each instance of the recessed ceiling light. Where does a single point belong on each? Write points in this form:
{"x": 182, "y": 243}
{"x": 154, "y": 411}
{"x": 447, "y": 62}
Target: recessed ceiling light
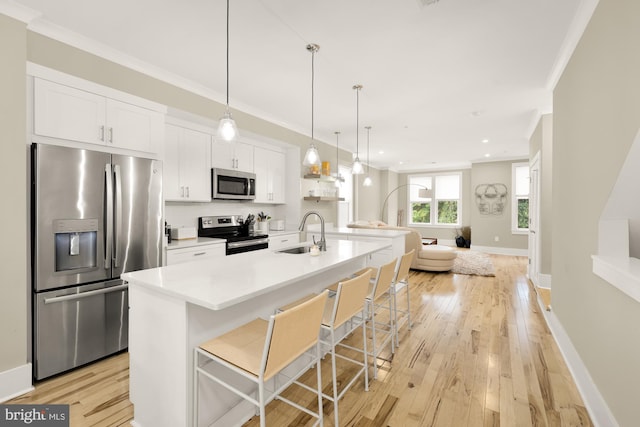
{"x": 401, "y": 162}
{"x": 484, "y": 141}
{"x": 487, "y": 155}
{"x": 380, "y": 152}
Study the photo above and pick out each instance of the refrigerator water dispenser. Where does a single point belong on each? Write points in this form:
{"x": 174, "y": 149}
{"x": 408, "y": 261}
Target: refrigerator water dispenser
{"x": 75, "y": 243}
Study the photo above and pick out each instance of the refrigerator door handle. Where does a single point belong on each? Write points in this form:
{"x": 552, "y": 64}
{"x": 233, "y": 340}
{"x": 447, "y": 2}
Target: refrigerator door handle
{"x": 85, "y": 294}
{"x": 118, "y": 213}
{"x": 108, "y": 216}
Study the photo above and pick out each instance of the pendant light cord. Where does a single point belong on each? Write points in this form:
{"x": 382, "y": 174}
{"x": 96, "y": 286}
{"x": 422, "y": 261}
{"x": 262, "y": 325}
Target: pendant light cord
{"x": 368, "y": 129}
{"x": 357, "y": 121}
{"x": 313, "y": 57}
{"x": 227, "y": 55}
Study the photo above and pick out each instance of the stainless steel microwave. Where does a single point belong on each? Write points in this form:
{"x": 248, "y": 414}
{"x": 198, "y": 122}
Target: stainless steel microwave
{"x": 232, "y": 185}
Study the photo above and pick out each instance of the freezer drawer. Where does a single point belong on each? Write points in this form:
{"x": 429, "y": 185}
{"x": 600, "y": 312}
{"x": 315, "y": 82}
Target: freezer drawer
{"x": 78, "y": 325}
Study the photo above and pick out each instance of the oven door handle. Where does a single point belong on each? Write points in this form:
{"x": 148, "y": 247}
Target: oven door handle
{"x": 85, "y": 294}
{"x": 245, "y": 243}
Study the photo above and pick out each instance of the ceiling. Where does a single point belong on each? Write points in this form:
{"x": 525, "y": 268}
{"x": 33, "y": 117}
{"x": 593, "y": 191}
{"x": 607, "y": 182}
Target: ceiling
{"x": 438, "y": 77}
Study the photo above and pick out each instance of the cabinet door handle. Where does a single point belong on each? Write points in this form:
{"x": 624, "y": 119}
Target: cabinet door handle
{"x": 110, "y": 134}
{"x": 181, "y": 191}
{"x": 101, "y": 134}
{"x": 199, "y": 253}
{"x": 187, "y": 192}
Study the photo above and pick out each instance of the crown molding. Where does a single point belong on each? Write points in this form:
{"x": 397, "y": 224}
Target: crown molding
{"x": 574, "y": 34}
{"x": 17, "y": 11}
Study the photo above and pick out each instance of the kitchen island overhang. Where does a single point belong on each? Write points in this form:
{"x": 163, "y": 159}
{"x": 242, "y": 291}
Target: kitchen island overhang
{"x": 175, "y": 308}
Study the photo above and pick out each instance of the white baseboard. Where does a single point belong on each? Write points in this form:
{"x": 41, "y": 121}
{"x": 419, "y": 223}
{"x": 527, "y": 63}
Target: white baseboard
{"x": 447, "y": 242}
{"x": 544, "y": 281}
{"x": 500, "y": 251}
{"x": 15, "y": 382}
{"x": 595, "y": 403}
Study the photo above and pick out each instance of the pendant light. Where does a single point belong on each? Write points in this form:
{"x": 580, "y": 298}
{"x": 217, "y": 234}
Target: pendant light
{"x": 227, "y": 129}
{"x": 311, "y": 157}
{"x": 367, "y": 181}
{"x": 357, "y": 168}
{"x": 339, "y": 178}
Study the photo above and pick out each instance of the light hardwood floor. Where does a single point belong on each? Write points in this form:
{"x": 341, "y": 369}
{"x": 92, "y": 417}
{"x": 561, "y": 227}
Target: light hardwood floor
{"x": 479, "y": 354}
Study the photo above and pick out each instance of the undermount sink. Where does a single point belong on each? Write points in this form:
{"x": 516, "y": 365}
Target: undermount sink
{"x": 296, "y": 250}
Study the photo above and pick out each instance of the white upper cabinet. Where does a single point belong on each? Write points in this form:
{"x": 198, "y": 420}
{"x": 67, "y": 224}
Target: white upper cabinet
{"x": 187, "y": 168}
{"x": 65, "y": 112}
{"x": 270, "y": 176}
{"x": 232, "y": 155}
{"x": 132, "y": 127}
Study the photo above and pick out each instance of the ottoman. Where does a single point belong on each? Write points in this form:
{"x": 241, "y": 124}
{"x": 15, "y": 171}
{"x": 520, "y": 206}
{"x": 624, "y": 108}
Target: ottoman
{"x": 435, "y": 258}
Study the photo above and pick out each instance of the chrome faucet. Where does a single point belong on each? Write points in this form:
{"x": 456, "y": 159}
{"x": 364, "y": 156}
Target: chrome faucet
{"x": 322, "y": 244}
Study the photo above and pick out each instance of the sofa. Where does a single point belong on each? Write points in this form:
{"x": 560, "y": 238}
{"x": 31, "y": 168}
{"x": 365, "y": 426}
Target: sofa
{"x": 427, "y": 258}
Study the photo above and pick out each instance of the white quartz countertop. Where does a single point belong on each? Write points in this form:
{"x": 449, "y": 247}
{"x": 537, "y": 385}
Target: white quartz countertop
{"x": 199, "y": 241}
{"x": 220, "y": 283}
{"x": 368, "y": 232}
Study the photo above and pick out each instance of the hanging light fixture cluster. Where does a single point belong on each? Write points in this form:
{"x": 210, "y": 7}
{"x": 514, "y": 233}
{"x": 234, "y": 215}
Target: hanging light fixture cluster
{"x": 311, "y": 157}
{"x": 227, "y": 129}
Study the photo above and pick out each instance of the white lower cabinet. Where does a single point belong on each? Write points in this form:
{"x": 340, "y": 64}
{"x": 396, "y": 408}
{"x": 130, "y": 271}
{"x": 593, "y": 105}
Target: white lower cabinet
{"x": 195, "y": 253}
{"x": 283, "y": 240}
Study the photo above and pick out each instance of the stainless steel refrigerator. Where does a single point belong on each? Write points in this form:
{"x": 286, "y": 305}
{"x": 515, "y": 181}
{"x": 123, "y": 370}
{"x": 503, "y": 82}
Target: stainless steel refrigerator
{"x": 94, "y": 216}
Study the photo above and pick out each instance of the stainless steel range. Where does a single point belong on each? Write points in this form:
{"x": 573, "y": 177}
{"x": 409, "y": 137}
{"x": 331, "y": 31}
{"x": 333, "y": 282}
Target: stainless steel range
{"x": 240, "y": 238}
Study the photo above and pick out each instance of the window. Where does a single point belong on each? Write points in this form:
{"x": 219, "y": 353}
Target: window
{"x": 443, "y": 205}
{"x": 520, "y": 197}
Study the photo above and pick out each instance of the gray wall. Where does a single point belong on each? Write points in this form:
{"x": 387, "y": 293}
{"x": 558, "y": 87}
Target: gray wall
{"x": 596, "y": 116}
{"x": 484, "y": 228}
{"x": 13, "y": 215}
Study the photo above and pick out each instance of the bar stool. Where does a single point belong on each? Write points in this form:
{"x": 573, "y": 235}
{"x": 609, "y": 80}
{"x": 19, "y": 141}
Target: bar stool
{"x": 402, "y": 282}
{"x": 260, "y": 350}
{"x": 381, "y": 288}
{"x": 347, "y": 313}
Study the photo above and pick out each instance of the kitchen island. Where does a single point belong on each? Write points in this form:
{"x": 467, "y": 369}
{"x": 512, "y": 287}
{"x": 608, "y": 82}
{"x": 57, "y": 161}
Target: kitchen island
{"x": 175, "y": 308}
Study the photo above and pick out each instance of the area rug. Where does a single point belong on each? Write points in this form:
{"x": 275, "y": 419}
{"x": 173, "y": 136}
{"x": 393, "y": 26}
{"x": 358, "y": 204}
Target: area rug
{"x": 471, "y": 262}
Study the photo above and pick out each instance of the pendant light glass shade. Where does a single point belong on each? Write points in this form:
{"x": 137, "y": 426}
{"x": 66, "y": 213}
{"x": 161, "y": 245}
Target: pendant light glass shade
{"x": 357, "y": 168}
{"x": 312, "y": 157}
{"x": 367, "y": 180}
{"x": 227, "y": 129}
